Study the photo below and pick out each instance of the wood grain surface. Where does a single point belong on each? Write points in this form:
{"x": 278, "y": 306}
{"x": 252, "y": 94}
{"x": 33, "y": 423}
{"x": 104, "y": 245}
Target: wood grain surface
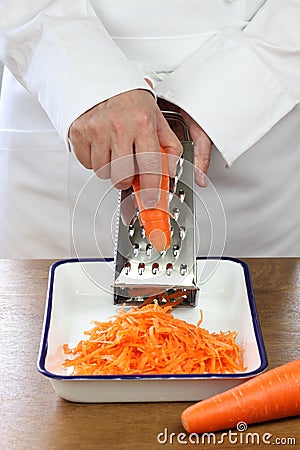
{"x": 34, "y": 417}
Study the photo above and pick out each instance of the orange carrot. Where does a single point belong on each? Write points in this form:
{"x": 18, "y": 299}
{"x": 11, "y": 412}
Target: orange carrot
{"x": 149, "y": 340}
{"x": 165, "y": 299}
{"x": 156, "y": 221}
{"x": 272, "y": 395}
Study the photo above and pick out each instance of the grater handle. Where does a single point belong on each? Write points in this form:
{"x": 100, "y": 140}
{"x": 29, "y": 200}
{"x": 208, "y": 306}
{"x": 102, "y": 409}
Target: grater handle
{"x": 173, "y": 116}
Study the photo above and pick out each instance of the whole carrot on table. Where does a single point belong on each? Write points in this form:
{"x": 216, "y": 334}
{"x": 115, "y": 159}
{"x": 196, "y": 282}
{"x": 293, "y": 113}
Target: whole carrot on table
{"x": 272, "y": 395}
{"x": 156, "y": 221}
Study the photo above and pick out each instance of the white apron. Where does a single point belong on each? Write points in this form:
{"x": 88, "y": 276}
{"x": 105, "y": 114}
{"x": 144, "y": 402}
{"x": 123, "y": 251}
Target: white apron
{"x": 51, "y": 207}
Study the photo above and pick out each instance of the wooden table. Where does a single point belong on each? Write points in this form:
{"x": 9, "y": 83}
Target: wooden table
{"x": 34, "y": 417}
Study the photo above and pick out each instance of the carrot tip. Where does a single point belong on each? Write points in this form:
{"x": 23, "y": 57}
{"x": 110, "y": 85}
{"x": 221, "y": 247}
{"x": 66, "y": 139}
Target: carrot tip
{"x": 159, "y": 240}
{"x": 185, "y": 422}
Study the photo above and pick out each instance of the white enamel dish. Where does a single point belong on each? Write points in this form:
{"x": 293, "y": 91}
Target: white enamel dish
{"x": 81, "y": 291}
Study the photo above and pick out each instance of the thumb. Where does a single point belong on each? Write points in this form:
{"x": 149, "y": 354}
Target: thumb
{"x": 202, "y": 150}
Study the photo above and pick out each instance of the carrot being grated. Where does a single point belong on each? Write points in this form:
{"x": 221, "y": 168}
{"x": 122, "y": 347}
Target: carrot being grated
{"x": 149, "y": 340}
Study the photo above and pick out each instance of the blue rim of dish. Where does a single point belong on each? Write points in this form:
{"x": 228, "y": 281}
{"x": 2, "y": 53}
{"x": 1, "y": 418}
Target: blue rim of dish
{"x": 47, "y": 319}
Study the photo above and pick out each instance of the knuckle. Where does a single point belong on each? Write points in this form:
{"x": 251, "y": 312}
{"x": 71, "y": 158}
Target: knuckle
{"x": 87, "y": 165}
{"x": 115, "y": 121}
{"x": 76, "y": 129}
{"x": 85, "y": 160}
{"x": 102, "y": 172}
{"x": 118, "y": 125}
{"x": 85, "y": 127}
{"x": 122, "y": 184}
{"x": 178, "y": 149}
{"x": 206, "y": 158}
{"x": 95, "y": 126}
{"x": 144, "y": 119}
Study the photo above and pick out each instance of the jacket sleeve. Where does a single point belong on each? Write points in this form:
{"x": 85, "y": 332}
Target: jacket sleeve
{"x": 61, "y": 53}
{"x": 242, "y": 82}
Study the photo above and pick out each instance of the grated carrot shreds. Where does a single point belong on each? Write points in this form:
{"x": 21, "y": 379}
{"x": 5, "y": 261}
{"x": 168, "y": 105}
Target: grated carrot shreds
{"x": 149, "y": 340}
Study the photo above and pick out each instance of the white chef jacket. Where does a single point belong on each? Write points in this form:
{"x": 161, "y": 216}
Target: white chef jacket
{"x": 234, "y": 66}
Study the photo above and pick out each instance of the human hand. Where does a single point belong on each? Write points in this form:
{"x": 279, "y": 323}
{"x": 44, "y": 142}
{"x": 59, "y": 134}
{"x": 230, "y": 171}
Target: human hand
{"x": 202, "y": 143}
{"x": 106, "y": 137}
{"x": 202, "y": 148}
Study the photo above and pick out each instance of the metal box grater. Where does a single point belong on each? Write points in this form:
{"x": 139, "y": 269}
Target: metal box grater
{"x": 140, "y": 270}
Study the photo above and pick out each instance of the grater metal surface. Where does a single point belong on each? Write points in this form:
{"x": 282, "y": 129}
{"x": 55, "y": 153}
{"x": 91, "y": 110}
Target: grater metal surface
{"x": 140, "y": 270}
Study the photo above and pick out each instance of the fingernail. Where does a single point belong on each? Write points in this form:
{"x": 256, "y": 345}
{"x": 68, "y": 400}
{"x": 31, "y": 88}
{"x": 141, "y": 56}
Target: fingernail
{"x": 150, "y": 198}
{"x": 201, "y": 179}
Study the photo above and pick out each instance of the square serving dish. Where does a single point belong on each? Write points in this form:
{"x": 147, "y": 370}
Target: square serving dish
{"x": 81, "y": 291}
